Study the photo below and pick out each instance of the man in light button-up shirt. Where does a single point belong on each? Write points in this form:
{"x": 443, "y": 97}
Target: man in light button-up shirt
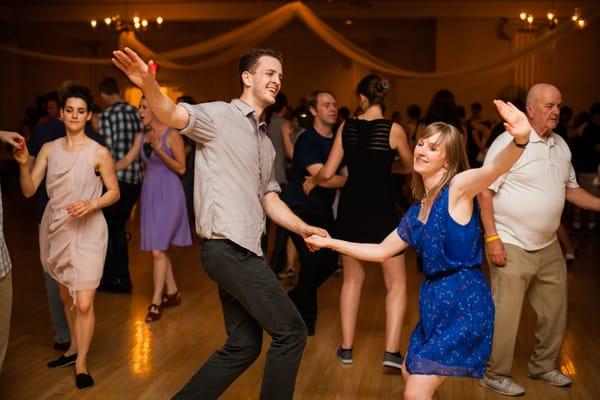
{"x": 520, "y": 213}
{"x": 234, "y": 188}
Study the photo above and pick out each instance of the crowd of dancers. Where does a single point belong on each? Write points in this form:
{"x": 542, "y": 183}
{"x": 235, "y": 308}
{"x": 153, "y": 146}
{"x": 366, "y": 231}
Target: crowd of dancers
{"x": 465, "y": 329}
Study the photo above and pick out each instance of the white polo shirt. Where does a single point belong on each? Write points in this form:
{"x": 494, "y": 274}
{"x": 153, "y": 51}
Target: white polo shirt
{"x": 530, "y": 197}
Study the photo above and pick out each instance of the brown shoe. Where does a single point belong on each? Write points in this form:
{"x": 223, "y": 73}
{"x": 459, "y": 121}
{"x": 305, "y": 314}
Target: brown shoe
{"x": 171, "y": 300}
{"x": 153, "y": 313}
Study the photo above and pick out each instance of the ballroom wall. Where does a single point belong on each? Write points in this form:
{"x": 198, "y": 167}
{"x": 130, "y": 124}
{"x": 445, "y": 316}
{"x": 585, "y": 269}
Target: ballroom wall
{"x": 424, "y": 44}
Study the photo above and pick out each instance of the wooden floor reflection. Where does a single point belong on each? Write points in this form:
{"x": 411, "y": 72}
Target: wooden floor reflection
{"x": 131, "y": 359}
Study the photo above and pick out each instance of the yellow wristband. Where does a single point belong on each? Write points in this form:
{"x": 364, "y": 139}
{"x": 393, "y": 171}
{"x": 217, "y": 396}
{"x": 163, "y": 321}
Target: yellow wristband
{"x": 492, "y": 238}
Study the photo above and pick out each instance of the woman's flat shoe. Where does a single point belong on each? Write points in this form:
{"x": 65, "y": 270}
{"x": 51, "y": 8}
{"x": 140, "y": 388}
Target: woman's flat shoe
{"x": 63, "y": 361}
{"x": 153, "y": 313}
{"x": 171, "y": 300}
{"x": 84, "y": 381}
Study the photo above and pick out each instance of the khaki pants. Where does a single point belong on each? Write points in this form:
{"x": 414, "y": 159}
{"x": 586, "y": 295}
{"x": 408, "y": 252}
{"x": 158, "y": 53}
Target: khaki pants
{"x": 5, "y": 311}
{"x": 540, "y": 276}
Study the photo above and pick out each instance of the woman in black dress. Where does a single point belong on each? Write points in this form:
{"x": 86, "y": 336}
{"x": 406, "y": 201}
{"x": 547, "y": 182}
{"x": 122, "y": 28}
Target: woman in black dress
{"x": 366, "y": 211}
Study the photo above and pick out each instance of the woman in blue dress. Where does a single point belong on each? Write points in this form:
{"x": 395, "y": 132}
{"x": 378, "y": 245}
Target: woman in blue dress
{"x": 454, "y": 335}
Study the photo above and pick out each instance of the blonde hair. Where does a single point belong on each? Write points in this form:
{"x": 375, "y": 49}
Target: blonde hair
{"x": 456, "y": 157}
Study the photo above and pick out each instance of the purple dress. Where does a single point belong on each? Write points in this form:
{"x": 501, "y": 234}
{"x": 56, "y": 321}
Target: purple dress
{"x": 163, "y": 212}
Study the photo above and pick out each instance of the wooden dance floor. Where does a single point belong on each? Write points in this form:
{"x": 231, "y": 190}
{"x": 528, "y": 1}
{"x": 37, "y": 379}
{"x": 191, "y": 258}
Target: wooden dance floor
{"x": 131, "y": 359}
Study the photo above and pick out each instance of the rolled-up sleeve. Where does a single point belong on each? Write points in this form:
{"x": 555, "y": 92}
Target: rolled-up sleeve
{"x": 201, "y": 127}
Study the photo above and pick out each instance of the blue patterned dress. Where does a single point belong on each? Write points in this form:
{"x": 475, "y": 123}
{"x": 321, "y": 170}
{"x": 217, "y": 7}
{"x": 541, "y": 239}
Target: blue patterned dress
{"x": 454, "y": 335}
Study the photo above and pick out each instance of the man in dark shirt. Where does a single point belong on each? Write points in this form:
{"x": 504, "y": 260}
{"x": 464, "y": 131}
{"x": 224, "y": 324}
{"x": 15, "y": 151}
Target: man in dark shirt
{"x": 310, "y": 154}
{"x": 46, "y": 132}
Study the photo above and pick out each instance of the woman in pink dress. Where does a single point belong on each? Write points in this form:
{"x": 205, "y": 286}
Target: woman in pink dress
{"x": 73, "y": 232}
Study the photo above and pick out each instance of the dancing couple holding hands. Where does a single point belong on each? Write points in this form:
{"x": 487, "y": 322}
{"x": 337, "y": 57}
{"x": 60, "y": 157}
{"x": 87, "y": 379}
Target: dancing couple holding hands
{"x": 454, "y": 334}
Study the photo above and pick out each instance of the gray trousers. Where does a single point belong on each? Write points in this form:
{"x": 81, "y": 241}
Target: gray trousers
{"x": 252, "y": 300}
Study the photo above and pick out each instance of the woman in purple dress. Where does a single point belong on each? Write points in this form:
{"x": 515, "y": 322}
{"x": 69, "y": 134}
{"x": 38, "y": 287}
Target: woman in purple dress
{"x": 163, "y": 211}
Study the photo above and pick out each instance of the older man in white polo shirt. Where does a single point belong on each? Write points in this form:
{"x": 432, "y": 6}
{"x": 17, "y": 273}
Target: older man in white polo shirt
{"x": 521, "y": 213}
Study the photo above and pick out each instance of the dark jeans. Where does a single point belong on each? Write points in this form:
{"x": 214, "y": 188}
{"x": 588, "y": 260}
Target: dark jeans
{"x": 315, "y": 267}
{"x": 252, "y": 300}
{"x": 116, "y": 266}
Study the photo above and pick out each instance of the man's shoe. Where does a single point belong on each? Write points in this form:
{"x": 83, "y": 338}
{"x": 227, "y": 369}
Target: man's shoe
{"x": 393, "y": 360}
{"x": 554, "y": 378}
{"x": 344, "y": 355}
{"x": 61, "y": 346}
{"x": 505, "y": 386}
{"x": 84, "y": 381}
{"x": 63, "y": 361}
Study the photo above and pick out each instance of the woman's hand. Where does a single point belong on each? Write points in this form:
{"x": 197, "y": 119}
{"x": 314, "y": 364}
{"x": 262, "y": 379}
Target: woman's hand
{"x": 82, "y": 208}
{"x": 21, "y": 153}
{"x": 155, "y": 141}
{"x": 516, "y": 123}
{"x": 316, "y": 242}
{"x": 308, "y": 185}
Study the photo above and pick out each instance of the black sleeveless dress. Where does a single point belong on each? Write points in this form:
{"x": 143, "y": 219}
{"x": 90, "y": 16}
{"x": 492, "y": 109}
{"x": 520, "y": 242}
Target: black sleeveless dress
{"x": 366, "y": 211}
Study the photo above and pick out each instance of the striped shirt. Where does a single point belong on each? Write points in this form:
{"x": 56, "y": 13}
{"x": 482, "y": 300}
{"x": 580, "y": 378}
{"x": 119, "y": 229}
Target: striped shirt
{"x": 118, "y": 124}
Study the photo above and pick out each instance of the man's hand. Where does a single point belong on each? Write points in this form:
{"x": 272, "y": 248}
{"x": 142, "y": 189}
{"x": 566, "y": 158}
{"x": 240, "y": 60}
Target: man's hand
{"x": 138, "y": 72}
{"x": 496, "y": 252}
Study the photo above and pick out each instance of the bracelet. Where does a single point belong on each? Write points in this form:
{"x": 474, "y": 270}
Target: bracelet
{"x": 519, "y": 145}
{"x": 492, "y": 238}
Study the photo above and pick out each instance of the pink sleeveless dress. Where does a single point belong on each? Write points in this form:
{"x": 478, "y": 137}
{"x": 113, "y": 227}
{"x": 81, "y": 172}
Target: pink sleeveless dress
{"x": 72, "y": 249}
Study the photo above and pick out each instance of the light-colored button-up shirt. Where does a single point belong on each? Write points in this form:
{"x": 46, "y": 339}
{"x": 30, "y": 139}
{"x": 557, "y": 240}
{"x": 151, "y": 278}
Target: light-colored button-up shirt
{"x": 530, "y": 197}
{"x": 5, "y": 265}
{"x": 233, "y": 171}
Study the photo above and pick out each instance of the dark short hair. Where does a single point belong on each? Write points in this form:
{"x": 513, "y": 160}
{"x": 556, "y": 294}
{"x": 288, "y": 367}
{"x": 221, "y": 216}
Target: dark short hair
{"x": 476, "y": 106}
{"x": 313, "y": 98}
{"x": 108, "y": 85}
{"x": 594, "y": 109}
{"x": 374, "y": 88}
{"x": 413, "y": 111}
{"x": 79, "y": 91}
{"x": 186, "y": 99}
{"x": 52, "y": 96}
{"x": 249, "y": 60}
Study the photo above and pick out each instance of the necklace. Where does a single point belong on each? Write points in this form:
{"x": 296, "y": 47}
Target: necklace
{"x": 424, "y": 209}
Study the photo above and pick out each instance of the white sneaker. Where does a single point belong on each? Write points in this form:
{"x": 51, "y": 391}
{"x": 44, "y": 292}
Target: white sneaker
{"x": 505, "y": 386}
{"x": 554, "y": 378}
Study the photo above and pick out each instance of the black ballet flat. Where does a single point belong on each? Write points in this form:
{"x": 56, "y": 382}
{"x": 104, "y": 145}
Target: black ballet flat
{"x": 84, "y": 381}
{"x": 63, "y": 361}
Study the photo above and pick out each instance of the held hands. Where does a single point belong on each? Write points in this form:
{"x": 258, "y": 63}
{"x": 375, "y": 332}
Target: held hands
{"x": 516, "y": 123}
{"x": 316, "y": 242}
{"x": 138, "y": 72}
{"x": 20, "y": 152}
{"x": 12, "y": 138}
{"x": 308, "y": 185}
{"x": 81, "y": 208}
{"x": 309, "y": 231}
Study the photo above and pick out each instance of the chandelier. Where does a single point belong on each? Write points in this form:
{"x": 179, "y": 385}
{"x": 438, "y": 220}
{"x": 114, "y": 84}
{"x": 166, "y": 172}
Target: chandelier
{"x": 116, "y": 23}
{"x": 551, "y": 20}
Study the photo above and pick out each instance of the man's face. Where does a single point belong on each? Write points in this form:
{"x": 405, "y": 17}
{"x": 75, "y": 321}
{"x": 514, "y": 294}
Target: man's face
{"x": 326, "y": 109}
{"x": 265, "y": 81}
{"x": 544, "y": 109}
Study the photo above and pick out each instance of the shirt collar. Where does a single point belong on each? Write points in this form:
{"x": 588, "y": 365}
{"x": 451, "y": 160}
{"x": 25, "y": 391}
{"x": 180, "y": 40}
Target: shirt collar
{"x": 535, "y": 137}
{"x": 249, "y": 112}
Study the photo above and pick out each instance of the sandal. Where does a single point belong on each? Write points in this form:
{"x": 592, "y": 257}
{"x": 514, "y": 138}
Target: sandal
{"x": 153, "y": 313}
{"x": 171, "y": 300}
